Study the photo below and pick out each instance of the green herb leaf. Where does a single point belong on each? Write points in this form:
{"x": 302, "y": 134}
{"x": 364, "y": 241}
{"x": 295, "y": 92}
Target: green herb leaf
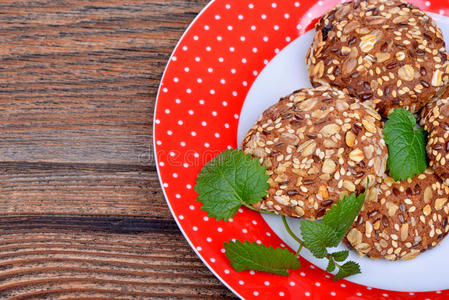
{"x": 229, "y": 180}
{"x": 341, "y": 215}
{"x": 252, "y": 256}
{"x": 330, "y": 265}
{"x": 406, "y": 145}
{"x": 340, "y": 255}
{"x": 348, "y": 269}
{"x": 318, "y": 237}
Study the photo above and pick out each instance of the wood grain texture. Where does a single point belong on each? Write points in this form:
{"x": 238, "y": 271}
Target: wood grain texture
{"x": 82, "y": 212}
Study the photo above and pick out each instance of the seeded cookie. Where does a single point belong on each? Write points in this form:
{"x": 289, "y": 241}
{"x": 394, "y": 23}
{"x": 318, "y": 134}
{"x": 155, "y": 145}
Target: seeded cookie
{"x": 399, "y": 220}
{"x": 386, "y": 52}
{"x": 436, "y": 122}
{"x": 318, "y": 145}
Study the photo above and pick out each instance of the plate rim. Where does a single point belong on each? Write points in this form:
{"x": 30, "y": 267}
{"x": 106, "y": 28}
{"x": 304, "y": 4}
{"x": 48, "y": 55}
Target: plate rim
{"x": 204, "y": 261}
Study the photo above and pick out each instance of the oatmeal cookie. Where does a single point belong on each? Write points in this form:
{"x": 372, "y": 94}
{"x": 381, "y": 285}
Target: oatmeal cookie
{"x": 388, "y": 53}
{"x": 318, "y": 144}
{"x": 399, "y": 220}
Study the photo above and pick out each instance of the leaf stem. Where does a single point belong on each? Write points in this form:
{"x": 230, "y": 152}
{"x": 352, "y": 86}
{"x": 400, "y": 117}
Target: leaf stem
{"x": 290, "y": 232}
{"x": 299, "y": 250}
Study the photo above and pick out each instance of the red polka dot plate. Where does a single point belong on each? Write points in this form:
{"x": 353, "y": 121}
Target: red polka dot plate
{"x": 234, "y": 60}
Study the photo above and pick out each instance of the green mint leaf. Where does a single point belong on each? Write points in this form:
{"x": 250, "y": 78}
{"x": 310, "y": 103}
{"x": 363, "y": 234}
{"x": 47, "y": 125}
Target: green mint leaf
{"x": 318, "y": 237}
{"x": 348, "y": 269}
{"x": 330, "y": 266}
{"x": 340, "y": 255}
{"x": 406, "y": 145}
{"x": 229, "y": 180}
{"x": 341, "y": 215}
{"x": 252, "y": 256}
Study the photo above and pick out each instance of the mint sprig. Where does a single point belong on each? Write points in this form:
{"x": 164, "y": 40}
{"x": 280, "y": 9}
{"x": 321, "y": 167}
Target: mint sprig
{"x": 327, "y": 234}
{"x": 233, "y": 179}
{"x": 252, "y": 256}
{"x": 406, "y": 145}
{"x": 228, "y": 181}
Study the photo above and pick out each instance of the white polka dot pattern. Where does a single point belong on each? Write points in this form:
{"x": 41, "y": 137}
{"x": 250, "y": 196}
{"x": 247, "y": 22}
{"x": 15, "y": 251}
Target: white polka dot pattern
{"x": 196, "y": 117}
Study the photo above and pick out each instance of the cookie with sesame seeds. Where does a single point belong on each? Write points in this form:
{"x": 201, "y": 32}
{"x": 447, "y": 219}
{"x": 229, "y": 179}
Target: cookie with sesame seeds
{"x": 388, "y": 53}
{"x": 399, "y": 220}
{"x": 436, "y": 123}
{"x": 318, "y": 144}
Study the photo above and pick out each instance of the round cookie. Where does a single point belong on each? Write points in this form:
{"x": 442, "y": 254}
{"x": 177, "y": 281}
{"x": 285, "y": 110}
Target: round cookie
{"x": 399, "y": 220}
{"x": 436, "y": 123}
{"x": 385, "y": 52}
{"x": 318, "y": 145}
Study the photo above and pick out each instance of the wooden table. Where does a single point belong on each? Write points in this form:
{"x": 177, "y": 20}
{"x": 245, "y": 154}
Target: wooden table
{"x": 83, "y": 215}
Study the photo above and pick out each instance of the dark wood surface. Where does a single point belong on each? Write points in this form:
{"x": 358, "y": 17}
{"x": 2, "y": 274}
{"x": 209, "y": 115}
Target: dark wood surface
{"x": 82, "y": 212}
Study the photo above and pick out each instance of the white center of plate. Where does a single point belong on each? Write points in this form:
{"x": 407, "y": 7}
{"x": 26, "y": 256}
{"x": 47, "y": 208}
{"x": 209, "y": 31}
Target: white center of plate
{"x": 286, "y": 73}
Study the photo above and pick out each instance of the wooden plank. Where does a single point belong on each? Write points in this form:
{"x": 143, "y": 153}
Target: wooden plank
{"x": 69, "y": 263}
{"x": 81, "y": 188}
